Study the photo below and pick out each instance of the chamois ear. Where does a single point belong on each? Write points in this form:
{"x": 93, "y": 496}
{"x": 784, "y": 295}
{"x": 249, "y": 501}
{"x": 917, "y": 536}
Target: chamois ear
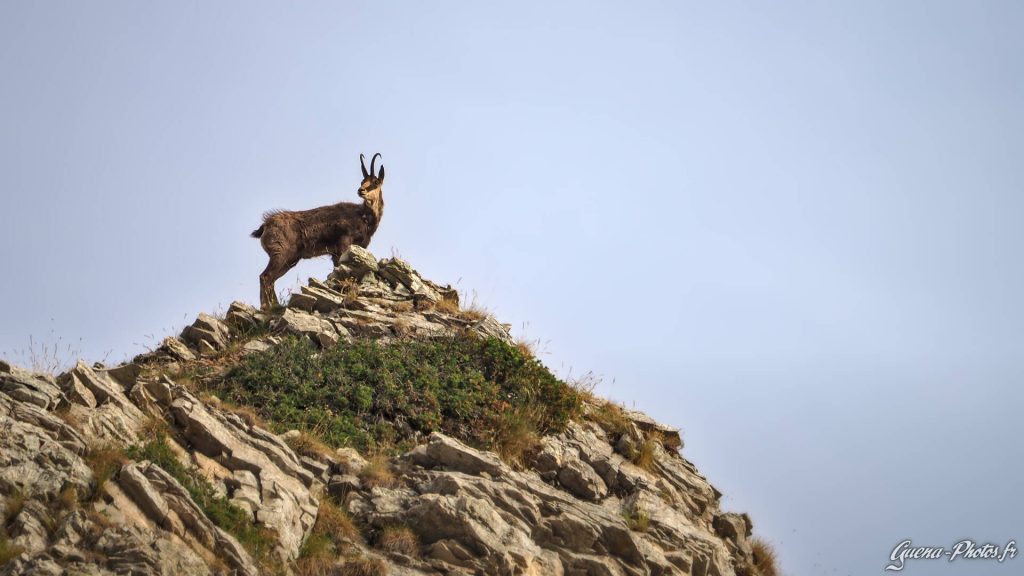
{"x": 362, "y": 164}
{"x": 381, "y": 175}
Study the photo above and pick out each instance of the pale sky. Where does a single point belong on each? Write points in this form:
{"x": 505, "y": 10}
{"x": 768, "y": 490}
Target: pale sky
{"x": 791, "y": 229}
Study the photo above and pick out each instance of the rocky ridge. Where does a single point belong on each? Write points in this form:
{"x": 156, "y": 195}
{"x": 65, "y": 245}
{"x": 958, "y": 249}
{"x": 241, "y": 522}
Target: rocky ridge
{"x": 608, "y": 495}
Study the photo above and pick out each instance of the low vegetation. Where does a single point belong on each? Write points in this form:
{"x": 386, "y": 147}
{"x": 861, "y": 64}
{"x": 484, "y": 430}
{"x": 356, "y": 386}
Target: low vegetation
{"x": 105, "y": 461}
{"x": 328, "y": 539}
{"x": 15, "y": 502}
{"x": 361, "y": 566}
{"x": 377, "y": 472}
{"x": 398, "y": 540}
{"x": 644, "y": 456}
{"x": 636, "y": 518}
{"x": 765, "y": 563}
{"x": 8, "y": 551}
{"x": 258, "y": 540}
{"x": 380, "y": 397}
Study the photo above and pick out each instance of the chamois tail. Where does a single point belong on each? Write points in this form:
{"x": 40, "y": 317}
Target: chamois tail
{"x": 258, "y": 232}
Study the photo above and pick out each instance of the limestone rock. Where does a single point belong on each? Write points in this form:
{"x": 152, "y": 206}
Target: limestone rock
{"x": 319, "y": 330}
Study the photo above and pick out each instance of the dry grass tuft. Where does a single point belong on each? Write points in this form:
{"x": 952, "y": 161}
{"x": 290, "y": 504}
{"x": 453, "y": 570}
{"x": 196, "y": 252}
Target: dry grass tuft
{"x": 517, "y": 435}
{"x": 399, "y": 540}
{"x": 610, "y": 417}
{"x": 333, "y": 523}
{"x": 405, "y": 306}
{"x": 362, "y": 566}
{"x": 105, "y": 461}
{"x": 15, "y": 503}
{"x": 8, "y": 551}
{"x": 447, "y": 306}
{"x": 68, "y": 499}
{"x": 154, "y": 428}
{"x": 377, "y": 472}
{"x": 637, "y": 519}
{"x": 474, "y": 312}
{"x": 645, "y": 455}
{"x": 315, "y": 565}
{"x": 310, "y": 445}
{"x": 765, "y": 562}
{"x": 528, "y": 348}
{"x": 247, "y": 414}
{"x": 402, "y": 327}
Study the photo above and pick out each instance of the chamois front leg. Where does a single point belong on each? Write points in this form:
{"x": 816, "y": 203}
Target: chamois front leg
{"x": 276, "y": 268}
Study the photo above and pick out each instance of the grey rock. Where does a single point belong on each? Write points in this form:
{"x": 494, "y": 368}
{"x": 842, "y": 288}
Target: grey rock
{"x": 31, "y": 388}
{"x": 319, "y": 330}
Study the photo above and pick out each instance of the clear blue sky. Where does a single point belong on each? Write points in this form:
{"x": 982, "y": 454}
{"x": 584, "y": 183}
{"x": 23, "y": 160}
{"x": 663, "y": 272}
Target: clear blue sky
{"x": 792, "y": 229}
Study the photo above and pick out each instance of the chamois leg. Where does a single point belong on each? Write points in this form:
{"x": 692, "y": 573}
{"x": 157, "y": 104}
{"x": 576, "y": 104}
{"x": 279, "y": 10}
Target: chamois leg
{"x": 276, "y": 268}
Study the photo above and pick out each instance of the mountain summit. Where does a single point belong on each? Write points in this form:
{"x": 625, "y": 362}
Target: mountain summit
{"x": 371, "y": 426}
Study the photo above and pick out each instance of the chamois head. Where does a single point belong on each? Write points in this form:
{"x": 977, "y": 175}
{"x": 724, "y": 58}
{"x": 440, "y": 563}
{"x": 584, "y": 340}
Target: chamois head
{"x": 370, "y": 187}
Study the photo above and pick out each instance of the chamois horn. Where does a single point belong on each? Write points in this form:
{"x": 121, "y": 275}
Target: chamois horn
{"x": 362, "y": 164}
{"x": 372, "y": 162}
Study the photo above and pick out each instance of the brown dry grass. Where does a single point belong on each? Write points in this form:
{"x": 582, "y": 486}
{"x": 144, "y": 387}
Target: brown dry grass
{"x": 335, "y": 524}
{"x": 401, "y": 327}
{"x": 528, "y": 348}
{"x": 406, "y": 306}
{"x": 377, "y": 472}
{"x": 516, "y": 435}
{"x": 105, "y": 461}
{"x": 307, "y": 444}
{"x": 68, "y": 499}
{"x": 399, "y": 540}
{"x": 645, "y": 455}
{"x": 765, "y": 561}
{"x": 447, "y": 306}
{"x": 610, "y": 417}
{"x": 362, "y": 566}
{"x": 8, "y": 551}
{"x": 153, "y": 428}
{"x": 247, "y": 414}
{"x": 349, "y": 290}
{"x": 15, "y": 503}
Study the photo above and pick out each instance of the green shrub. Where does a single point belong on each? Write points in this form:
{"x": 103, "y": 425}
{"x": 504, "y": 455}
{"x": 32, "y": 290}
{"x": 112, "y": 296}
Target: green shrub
{"x": 374, "y": 396}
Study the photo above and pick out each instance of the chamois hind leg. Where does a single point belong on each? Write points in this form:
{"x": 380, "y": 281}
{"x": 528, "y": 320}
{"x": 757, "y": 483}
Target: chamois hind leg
{"x": 276, "y": 268}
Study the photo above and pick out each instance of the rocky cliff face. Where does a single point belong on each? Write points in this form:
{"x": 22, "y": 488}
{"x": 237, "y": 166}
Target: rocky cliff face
{"x": 137, "y": 469}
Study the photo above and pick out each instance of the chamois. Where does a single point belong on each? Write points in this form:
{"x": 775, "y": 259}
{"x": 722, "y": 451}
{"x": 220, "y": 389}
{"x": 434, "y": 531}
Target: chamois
{"x": 288, "y": 236}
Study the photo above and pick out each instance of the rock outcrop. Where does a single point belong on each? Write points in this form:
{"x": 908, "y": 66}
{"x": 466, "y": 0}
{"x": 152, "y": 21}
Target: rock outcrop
{"x": 126, "y": 471}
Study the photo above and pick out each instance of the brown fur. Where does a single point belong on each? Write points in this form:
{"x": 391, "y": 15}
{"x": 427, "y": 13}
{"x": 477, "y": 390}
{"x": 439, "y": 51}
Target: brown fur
{"x": 288, "y": 236}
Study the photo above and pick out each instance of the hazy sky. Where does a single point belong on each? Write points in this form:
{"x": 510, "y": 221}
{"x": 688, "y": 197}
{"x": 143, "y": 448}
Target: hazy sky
{"x": 792, "y": 229}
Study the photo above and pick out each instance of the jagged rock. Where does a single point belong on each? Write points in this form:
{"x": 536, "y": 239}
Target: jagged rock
{"x": 260, "y": 345}
{"x": 39, "y": 453}
{"x": 581, "y": 480}
{"x": 176, "y": 348}
{"x": 349, "y": 461}
{"x": 286, "y": 501}
{"x": 669, "y": 436}
{"x": 356, "y": 262}
{"x": 242, "y": 318}
{"x": 575, "y": 505}
{"x": 399, "y": 272}
{"x": 319, "y": 330}
{"x": 441, "y": 450}
{"x": 302, "y": 301}
{"x": 168, "y": 504}
{"x": 27, "y": 529}
{"x": 207, "y": 331}
{"x": 341, "y": 486}
{"x": 31, "y": 388}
